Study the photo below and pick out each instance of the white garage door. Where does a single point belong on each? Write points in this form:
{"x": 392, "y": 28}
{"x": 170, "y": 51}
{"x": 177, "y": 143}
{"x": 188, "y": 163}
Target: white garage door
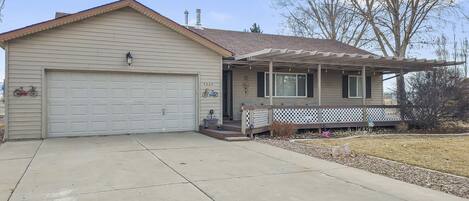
{"x": 84, "y": 103}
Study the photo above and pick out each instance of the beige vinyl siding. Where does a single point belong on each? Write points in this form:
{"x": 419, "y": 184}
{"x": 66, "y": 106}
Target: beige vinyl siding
{"x": 331, "y": 90}
{"x": 101, "y": 43}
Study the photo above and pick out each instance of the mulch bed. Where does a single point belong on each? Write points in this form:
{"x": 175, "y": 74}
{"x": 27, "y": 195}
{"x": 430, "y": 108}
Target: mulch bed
{"x": 435, "y": 180}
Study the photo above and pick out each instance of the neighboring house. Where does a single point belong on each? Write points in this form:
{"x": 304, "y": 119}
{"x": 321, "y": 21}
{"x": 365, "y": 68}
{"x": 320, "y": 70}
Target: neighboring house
{"x": 390, "y": 98}
{"x": 123, "y": 68}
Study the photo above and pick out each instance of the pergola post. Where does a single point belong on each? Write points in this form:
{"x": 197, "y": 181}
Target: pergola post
{"x": 319, "y": 84}
{"x": 271, "y": 82}
{"x": 365, "y": 116}
{"x": 363, "y": 86}
{"x": 319, "y": 97}
{"x": 271, "y": 94}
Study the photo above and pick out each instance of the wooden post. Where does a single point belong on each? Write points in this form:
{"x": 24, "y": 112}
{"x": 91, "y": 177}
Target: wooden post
{"x": 319, "y": 84}
{"x": 319, "y": 97}
{"x": 271, "y": 82}
{"x": 365, "y": 116}
{"x": 243, "y": 121}
{"x": 271, "y": 90}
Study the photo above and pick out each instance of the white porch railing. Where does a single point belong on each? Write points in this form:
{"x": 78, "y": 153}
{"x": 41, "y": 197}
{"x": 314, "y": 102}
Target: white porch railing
{"x": 258, "y": 117}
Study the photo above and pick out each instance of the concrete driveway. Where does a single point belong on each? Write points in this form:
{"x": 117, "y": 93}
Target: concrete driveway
{"x": 184, "y": 166}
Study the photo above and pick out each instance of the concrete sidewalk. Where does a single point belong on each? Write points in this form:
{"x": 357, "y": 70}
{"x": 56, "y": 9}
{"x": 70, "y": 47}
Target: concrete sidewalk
{"x": 184, "y": 166}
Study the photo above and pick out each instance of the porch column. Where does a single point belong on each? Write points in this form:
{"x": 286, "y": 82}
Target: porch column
{"x": 363, "y": 85}
{"x": 271, "y": 82}
{"x": 319, "y": 84}
{"x": 319, "y": 97}
{"x": 365, "y": 115}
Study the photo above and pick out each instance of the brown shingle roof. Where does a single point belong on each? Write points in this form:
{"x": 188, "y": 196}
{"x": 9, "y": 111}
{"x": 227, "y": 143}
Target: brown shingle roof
{"x": 246, "y": 42}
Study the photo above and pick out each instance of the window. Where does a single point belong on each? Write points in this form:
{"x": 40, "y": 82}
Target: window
{"x": 287, "y": 85}
{"x": 355, "y": 89}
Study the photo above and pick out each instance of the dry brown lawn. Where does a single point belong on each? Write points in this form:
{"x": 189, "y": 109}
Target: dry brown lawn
{"x": 445, "y": 154}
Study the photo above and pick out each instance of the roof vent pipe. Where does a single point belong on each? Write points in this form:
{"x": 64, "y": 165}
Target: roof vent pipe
{"x": 198, "y": 23}
{"x": 186, "y": 15}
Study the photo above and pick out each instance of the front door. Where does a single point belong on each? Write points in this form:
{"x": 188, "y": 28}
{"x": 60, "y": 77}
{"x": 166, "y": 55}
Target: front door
{"x": 227, "y": 95}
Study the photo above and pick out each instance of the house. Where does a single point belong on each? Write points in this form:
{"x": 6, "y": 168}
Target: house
{"x": 390, "y": 98}
{"x": 123, "y": 68}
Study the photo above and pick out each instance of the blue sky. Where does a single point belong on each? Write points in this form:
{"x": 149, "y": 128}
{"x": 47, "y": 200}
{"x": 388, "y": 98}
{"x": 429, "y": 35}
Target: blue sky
{"x": 233, "y": 15}
{"x": 227, "y": 14}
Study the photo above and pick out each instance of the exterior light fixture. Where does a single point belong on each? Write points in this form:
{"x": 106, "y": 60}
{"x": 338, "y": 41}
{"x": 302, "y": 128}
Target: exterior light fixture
{"x": 250, "y": 67}
{"x": 129, "y": 58}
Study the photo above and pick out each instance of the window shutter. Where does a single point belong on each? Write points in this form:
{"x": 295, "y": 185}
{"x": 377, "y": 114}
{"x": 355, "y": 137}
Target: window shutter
{"x": 344, "y": 86}
{"x": 260, "y": 84}
{"x": 368, "y": 86}
{"x": 310, "y": 85}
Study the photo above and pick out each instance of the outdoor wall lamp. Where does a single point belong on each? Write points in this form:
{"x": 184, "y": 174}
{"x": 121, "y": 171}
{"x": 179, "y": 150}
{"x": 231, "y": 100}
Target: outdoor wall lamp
{"x": 129, "y": 58}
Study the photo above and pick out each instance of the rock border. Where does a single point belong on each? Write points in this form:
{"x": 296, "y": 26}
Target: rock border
{"x": 448, "y": 183}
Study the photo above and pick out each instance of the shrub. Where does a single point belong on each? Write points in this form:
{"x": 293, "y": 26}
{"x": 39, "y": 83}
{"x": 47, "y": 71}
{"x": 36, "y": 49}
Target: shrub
{"x": 434, "y": 96}
{"x": 282, "y": 129}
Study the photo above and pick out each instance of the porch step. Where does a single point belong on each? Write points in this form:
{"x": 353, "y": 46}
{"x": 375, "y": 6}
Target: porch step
{"x": 234, "y": 139}
{"x": 231, "y": 127}
{"x": 224, "y": 134}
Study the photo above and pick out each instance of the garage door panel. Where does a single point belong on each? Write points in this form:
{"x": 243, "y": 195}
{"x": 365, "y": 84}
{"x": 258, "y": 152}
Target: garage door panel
{"x": 118, "y": 108}
{"x": 82, "y": 103}
{"x": 57, "y": 127}
{"x": 98, "y": 93}
{"x": 119, "y": 125}
{"x": 137, "y": 109}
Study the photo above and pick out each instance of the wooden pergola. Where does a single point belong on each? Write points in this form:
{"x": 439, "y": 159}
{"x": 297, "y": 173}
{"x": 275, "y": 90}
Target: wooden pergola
{"x": 340, "y": 61}
{"x": 256, "y": 119}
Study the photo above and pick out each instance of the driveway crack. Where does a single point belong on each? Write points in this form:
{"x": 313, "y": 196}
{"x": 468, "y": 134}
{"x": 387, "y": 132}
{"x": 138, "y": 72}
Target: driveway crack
{"x": 174, "y": 170}
{"x": 25, "y": 170}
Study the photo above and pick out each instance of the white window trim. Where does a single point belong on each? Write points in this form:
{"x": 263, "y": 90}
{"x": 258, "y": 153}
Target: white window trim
{"x": 274, "y": 75}
{"x": 359, "y": 87}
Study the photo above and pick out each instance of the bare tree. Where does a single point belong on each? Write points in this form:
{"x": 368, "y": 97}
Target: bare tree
{"x": 327, "y": 19}
{"x": 465, "y": 54}
{"x": 442, "y": 47}
{"x": 396, "y": 23}
{"x": 2, "y": 5}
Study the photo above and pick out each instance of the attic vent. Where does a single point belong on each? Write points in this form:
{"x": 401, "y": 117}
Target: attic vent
{"x": 60, "y": 14}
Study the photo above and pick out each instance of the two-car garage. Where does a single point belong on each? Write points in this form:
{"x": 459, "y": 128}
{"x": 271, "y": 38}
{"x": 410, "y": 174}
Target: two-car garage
{"x": 120, "y": 68}
{"x": 104, "y": 103}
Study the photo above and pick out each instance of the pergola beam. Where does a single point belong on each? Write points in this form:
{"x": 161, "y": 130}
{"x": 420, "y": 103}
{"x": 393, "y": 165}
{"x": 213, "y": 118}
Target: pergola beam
{"x": 342, "y": 59}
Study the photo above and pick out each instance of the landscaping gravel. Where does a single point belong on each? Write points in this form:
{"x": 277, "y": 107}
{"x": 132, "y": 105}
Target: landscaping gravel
{"x": 448, "y": 183}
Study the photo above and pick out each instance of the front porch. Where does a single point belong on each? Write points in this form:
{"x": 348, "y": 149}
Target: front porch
{"x": 258, "y": 119}
{"x": 311, "y": 89}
